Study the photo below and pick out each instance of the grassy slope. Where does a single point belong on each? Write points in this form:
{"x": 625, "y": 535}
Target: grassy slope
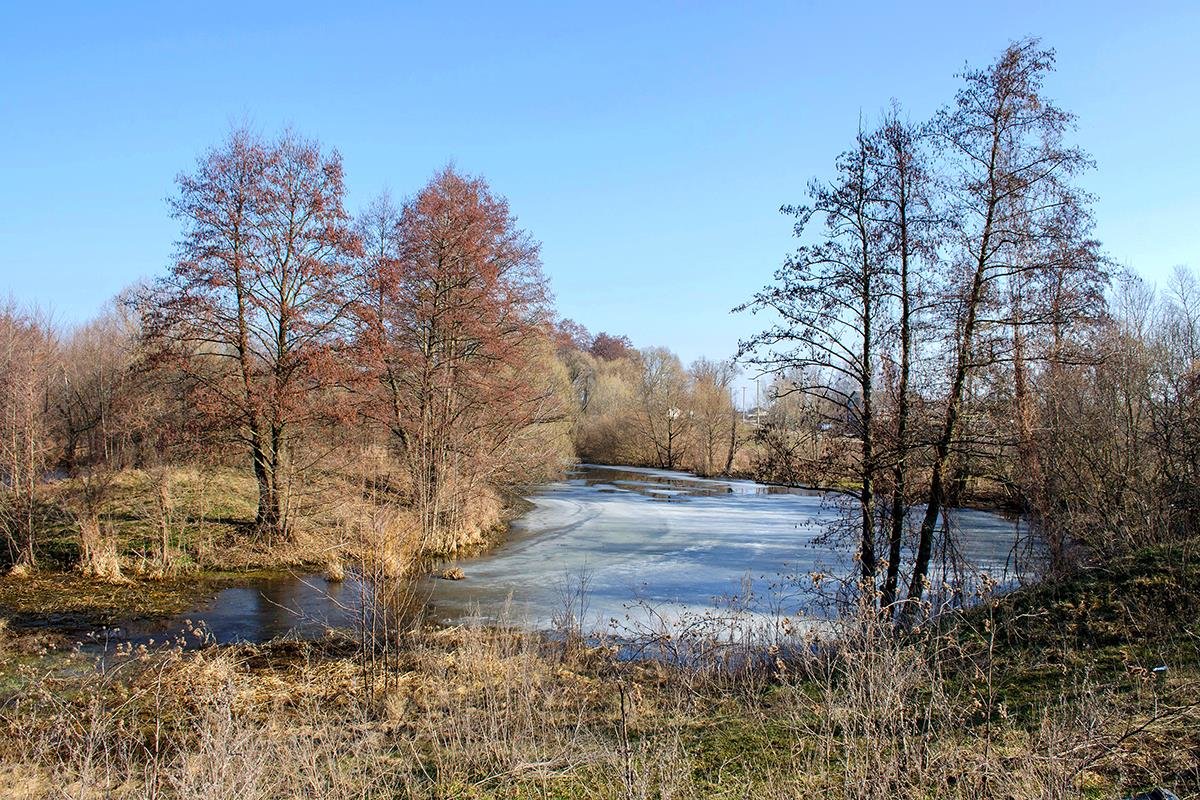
{"x": 1093, "y": 637}
{"x": 1114, "y": 623}
{"x": 212, "y": 509}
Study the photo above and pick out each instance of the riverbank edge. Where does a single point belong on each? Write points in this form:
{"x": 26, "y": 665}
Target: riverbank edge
{"x": 1085, "y": 633}
{"x": 993, "y": 501}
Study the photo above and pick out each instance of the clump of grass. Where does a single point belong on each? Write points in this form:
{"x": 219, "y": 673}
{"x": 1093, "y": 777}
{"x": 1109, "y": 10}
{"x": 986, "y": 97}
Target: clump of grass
{"x": 99, "y": 558}
{"x": 335, "y": 571}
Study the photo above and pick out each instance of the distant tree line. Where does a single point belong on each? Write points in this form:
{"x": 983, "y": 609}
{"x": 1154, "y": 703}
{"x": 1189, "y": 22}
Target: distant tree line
{"x": 643, "y": 407}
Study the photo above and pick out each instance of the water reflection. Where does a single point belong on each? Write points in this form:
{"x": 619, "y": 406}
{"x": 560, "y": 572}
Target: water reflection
{"x": 264, "y": 607}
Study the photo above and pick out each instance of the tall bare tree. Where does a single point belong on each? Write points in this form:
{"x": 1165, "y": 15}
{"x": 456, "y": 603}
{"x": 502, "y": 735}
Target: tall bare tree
{"x": 104, "y": 407}
{"x": 28, "y": 348}
{"x": 1009, "y": 181}
{"x": 251, "y": 311}
{"x": 828, "y": 299}
{"x": 713, "y": 414}
{"x": 908, "y": 224}
{"x": 664, "y": 418}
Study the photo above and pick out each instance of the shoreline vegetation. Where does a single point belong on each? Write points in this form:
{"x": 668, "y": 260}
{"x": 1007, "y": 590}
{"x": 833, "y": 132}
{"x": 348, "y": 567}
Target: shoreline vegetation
{"x": 221, "y": 550}
{"x": 368, "y": 395}
{"x": 1051, "y": 691}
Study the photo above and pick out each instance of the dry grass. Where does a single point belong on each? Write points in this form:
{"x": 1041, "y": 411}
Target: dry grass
{"x": 99, "y": 557}
{"x": 172, "y": 521}
{"x": 1004, "y": 701}
{"x": 491, "y": 712}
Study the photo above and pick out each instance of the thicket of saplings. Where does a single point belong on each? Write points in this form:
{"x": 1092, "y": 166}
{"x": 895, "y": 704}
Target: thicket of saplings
{"x": 385, "y": 380}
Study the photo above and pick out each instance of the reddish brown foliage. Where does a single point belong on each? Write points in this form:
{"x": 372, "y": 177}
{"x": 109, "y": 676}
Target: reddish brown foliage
{"x": 249, "y": 314}
{"x": 570, "y": 335}
{"x": 612, "y": 348}
{"x": 453, "y": 312}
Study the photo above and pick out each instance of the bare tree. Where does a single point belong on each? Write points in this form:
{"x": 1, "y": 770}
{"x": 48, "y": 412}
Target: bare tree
{"x": 664, "y": 417}
{"x": 1183, "y": 316}
{"x": 908, "y": 224}
{"x": 28, "y": 350}
{"x": 98, "y": 398}
{"x": 1009, "y": 182}
{"x": 251, "y": 311}
{"x": 790, "y": 437}
{"x": 828, "y": 299}
{"x": 713, "y": 415}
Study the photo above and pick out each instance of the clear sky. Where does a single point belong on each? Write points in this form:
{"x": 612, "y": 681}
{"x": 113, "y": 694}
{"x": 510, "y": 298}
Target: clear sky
{"x": 648, "y": 146}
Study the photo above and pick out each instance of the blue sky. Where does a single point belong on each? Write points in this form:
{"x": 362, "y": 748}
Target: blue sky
{"x": 648, "y": 146}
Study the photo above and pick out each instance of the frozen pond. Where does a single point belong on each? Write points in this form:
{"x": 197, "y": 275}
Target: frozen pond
{"x": 643, "y": 538}
{"x": 642, "y": 542}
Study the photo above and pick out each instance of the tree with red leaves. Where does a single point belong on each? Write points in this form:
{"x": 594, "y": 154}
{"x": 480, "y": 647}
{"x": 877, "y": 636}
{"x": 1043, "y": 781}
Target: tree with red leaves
{"x": 453, "y": 313}
{"x": 612, "y": 348}
{"x": 249, "y": 315}
{"x": 571, "y": 335}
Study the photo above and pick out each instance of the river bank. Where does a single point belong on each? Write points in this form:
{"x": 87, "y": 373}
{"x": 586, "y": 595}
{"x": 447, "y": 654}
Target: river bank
{"x": 1049, "y": 692}
{"x": 606, "y": 547}
{"x": 228, "y": 684}
{"x": 212, "y": 548}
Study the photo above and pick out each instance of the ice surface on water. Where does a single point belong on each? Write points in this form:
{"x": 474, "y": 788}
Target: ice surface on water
{"x": 671, "y": 540}
{"x": 640, "y": 538}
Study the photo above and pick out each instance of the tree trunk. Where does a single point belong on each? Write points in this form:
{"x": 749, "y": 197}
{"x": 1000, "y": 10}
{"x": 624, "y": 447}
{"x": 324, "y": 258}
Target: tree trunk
{"x": 733, "y": 415}
{"x": 268, "y": 517}
{"x": 942, "y": 448}
{"x": 867, "y": 499}
{"x": 900, "y": 468}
